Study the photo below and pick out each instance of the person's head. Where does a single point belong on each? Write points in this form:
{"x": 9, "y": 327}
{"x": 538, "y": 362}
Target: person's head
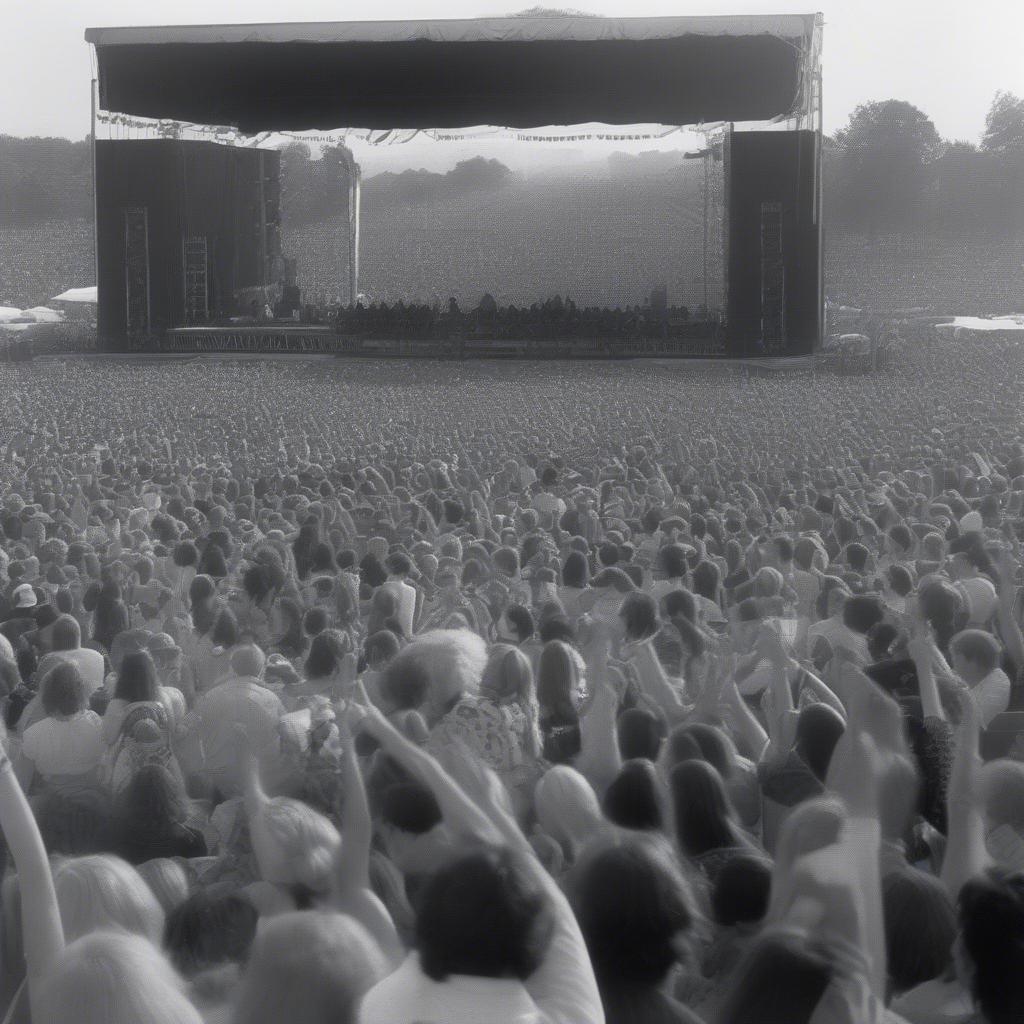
{"x": 247, "y": 661}
{"x": 638, "y": 616}
{"x": 137, "y": 679}
{"x": 225, "y": 629}
{"x": 1002, "y": 791}
{"x": 558, "y": 681}
{"x": 857, "y": 556}
{"x": 62, "y": 691}
{"x": 66, "y": 634}
{"x": 452, "y": 661}
{"x": 517, "y": 624}
{"x": 920, "y": 928}
{"x": 110, "y": 977}
{"x": 308, "y": 967}
{"x": 506, "y": 561}
{"x": 209, "y": 929}
{"x": 640, "y": 734}
{"x": 153, "y": 799}
{"x": 991, "y": 917}
{"x": 975, "y": 654}
{"x": 818, "y": 730}
{"x": 706, "y": 580}
{"x": 325, "y": 654}
{"x": 575, "y": 571}
{"x": 880, "y": 637}
{"x": 900, "y": 580}
{"x": 631, "y": 800}
{"x": 508, "y": 676}
{"x": 380, "y": 648}
{"x": 637, "y": 913}
{"x": 861, "y": 612}
{"x": 672, "y": 561}
{"x": 832, "y": 597}
{"x": 704, "y": 816}
{"x": 483, "y": 916}
{"x": 782, "y": 978}
{"x": 294, "y": 844}
{"x": 742, "y": 891}
{"x": 100, "y": 892}
{"x": 703, "y": 742}
{"x": 167, "y": 880}
{"x": 567, "y": 807}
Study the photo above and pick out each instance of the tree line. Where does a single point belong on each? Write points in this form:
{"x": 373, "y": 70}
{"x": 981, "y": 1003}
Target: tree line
{"x": 886, "y": 171}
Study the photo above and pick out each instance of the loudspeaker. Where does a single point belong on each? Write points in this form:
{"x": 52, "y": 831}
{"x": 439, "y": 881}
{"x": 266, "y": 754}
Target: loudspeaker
{"x": 773, "y": 282}
{"x": 182, "y": 227}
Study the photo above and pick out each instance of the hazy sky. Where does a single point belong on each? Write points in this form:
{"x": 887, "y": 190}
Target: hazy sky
{"x": 946, "y": 57}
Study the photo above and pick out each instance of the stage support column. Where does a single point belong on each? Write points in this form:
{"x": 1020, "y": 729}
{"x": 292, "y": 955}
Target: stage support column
{"x": 95, "y": 201}
{"x": 353, "y": 233}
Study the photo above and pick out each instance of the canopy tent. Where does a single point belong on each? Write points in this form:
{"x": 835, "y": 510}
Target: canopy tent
{"x": 87, "y": 295}
{"x": 512, "y": 72}
{"x": 43, "y": 315}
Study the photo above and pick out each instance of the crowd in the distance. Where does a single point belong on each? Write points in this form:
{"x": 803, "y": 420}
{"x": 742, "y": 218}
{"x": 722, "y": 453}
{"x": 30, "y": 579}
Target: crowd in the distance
{"x": 413, "y": 694}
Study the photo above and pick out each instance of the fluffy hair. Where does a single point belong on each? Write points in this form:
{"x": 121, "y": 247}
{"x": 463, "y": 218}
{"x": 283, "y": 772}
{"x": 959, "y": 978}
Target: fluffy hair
{"x": 104, "y": 892}
{"x": 454, "y": 660}
{"x": 294, "y": 844}
{"x": 114, "y": 978}
{"x": 308, "y": 968}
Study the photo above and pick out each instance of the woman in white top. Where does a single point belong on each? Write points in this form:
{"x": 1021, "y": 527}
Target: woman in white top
{"x": 64, "y": 749}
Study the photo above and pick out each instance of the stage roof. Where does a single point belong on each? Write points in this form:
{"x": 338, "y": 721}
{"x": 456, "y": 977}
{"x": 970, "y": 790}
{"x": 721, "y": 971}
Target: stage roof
{"x": 509, "y": 72}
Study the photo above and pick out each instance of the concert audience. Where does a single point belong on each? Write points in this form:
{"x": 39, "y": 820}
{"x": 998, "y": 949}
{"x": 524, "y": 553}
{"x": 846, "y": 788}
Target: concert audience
{"x": 443, "y": 693}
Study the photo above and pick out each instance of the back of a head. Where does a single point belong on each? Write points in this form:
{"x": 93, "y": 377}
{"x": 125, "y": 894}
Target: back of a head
{"x": 567, "y": 807}
{"x": 208, "y": 930}
{"x": 410, "y": 808}
{"x": 742, "y": 891}
{"x": 454, "y": 661}
{"x": 991, "y": 914}
{"x": 67, "y": 634}
{"x": 631, "y": 800}
{"x": 920, "y": 928}
{"x": 704, "y": 817}
{"x": 861, "y": 612}
{"x": 818, "y": 730}
{"x": 102, "y": 891}
{"x": 781, "y": 981}
{"x": 482, "y": 915}
{"x": 640, "y": 733}
{"x": 634, "y": 906}
{"x": 114, "y": 978}
{"x": 308, "y": 967}
{"x": 705, "y": 742}
{"x": 248, "y": 661}
{"x": 294, "y": 844}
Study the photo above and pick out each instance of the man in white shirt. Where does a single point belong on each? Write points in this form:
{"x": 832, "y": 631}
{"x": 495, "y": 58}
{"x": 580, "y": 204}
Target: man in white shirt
{"x": 399, "y": 566}
{"x": 67, "y": 647}
{"x": 546, "y": 502}
{"x": 975, "y": 656}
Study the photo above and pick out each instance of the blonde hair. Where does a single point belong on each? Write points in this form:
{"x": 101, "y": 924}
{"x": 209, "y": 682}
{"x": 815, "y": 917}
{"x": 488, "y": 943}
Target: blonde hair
{"x": 114, "y": 978}
{"x": 294, "y": 844}
{"x": 104, "y": 892}
{"x": 308, "y": 967}
{"x": 567, "y": 806}
{"x": 167, "y": 880}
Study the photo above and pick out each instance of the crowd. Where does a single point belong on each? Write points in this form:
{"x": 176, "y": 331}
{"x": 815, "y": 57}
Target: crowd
{"x": 403, "y": 693}
{"x": 553, "y": 320}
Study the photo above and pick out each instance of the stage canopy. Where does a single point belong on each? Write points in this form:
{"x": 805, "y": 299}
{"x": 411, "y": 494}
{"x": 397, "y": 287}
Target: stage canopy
{"x": 510, "y": 72}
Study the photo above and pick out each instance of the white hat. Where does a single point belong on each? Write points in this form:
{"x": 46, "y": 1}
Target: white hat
{"x": 24, "y": 596}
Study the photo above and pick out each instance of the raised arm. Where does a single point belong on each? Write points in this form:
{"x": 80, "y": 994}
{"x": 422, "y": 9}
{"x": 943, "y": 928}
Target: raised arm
{"x": 966, "y": 854}
{"x": 351, "y": 890}
{"x": 599, "y": 758}
{"x": 42, "y": 932}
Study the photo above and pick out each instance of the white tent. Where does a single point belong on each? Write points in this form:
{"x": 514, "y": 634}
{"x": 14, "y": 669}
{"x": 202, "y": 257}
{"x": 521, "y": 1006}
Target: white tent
{"x": 44, "y": 315}
{"x": 77, "y": 295}
{"x": 8, "y": 313}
